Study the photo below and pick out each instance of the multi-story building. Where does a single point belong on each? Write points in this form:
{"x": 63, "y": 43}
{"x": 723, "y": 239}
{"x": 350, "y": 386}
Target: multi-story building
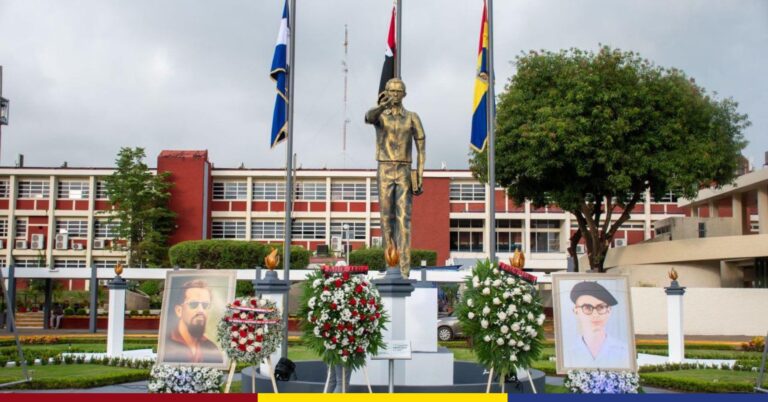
{"x": 58, "y": 217}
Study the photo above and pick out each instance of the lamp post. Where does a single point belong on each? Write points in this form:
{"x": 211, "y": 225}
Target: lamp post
{"x": 4, "y": 108}
{"x": 346, "y": 234}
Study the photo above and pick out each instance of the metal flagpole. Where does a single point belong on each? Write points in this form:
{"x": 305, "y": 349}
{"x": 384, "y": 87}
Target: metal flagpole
{"x": 491, "y": 102}
{"x": 289, "y": 169}
{"x": 398, "y": 38}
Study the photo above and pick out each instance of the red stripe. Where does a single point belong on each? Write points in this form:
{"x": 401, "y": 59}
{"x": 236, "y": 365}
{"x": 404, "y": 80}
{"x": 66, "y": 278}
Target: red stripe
{"x": 391, "y": 36}
{"x": 82, "y": 397}
{"x": 482, "y": 28}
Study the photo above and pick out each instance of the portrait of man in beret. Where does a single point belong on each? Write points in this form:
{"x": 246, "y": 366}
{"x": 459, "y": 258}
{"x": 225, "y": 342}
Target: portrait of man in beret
{"x": 594, "y": 328}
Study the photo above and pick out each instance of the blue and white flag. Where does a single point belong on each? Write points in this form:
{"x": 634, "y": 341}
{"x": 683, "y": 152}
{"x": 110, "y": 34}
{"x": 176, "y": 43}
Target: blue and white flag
{"x": 279, "y": 74}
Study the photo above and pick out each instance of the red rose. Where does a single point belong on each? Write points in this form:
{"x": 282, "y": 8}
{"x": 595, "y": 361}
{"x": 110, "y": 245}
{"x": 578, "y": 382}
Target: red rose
{"x": 352, "y": 302}
{"x": 362, "y": 317}
{"x": 257, "y": 349}
{"x": 250, "y": 316}
{"x": 359, "y": 349}
{"x": 325, "y": 288}
{"x": 250, "y": 341}
{"x": 253, "y": 302}
{"x": 243, "y": 334}
{"x": 345, "y": 352}
{"x": 234, "y": 337}
{"x": 333, "y": 339}
{"x": 372, "y": 301}
{"x": 241, "y": 347}
{"x": 350, "y": 327}
{"x": 358, "y": 289}
{"x": 340, "y": 326}
{"x": 338, "y": 283}
{"x": 378, "y": 315}
{"x": 236, "y": 303}
{"x": 354, "y": 313}
{"x": 259, "y": 338}
{"x": 351, "y": 338}
{"x": 333, "y": 306}
{"x": 345, "y": 276}
{"x": 235, "y": 328}
{"x": 326, "y": 326}
{"x": 372, "y": 318}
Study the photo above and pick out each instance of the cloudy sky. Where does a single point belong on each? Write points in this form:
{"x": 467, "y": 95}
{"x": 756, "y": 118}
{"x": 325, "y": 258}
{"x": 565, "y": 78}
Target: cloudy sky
{"x": 86, "y": 77}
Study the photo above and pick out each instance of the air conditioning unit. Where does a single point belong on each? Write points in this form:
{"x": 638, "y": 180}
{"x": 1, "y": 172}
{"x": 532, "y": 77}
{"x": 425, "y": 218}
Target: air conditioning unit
{"x": 99, "y": 244}
{"x": 619, "y": 242}
{"x": 61, "y": 241}
{"x": 21, "y": 244}
{"x": 336, "y": 243}
{"x": 376, "y": 241}
{"x": 37, "y": 242}
{"x": 77, "y": 246}
{"x": 580, "y": 249}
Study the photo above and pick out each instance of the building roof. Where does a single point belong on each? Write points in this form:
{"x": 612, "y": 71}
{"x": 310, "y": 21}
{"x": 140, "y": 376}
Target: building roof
{"x": 747, "y": 182}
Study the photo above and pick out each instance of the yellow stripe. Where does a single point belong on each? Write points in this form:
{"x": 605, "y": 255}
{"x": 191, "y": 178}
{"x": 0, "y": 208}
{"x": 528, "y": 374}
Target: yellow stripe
{"x": 383, "y": 397}
{"x": 481, "y": 87}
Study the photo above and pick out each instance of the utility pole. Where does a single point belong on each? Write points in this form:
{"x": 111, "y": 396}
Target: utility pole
{"x": 346, "y": 118}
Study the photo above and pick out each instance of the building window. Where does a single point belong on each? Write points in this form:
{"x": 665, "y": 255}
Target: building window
{"x": 348, "y": 191}
{"x": 467, "y": 192}
{"x": 101, "y": 190}
{"x": 267, "y": 230}
{"x": 34, "y": 188}
{"x": 29, "y": 262}
{"x": 509, "y": 235}
{"x": 308, "y": 230}
{"x": 2, "y": 263}
{"x": 268, "y": 191}
{"x": 356, "y": 229}
{"x": 310, "y": 191}
{"x": 467, "y": 235}
{"x": 74, "y": 228}
{"x": 62, "y": 263}
{"x": 73, "y": 190}
{"x": 629, "y": 225}
{"x": 104, "y": 229}
{"x": 228, "y": 229}
{"x": 3, "y": 228}
{"x": 545, "y": 236}
{"x": 375, "y": 224}
{"x": 668, "y": 197}
{"x": 4, "y": 188}
{"x": 107, "y": 263}
{"x": 21, "y": 228}
{"x": 230, "y": 190}
{"x": 374, "y": 190}
{"x": 662, "y": 230}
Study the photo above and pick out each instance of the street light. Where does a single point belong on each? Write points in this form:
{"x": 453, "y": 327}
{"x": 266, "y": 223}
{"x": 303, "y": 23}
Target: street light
{"x": 346, "y": 234}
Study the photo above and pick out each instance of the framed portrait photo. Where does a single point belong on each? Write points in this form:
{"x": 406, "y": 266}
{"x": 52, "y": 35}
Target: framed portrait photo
{"x": 193, "y": 304}
{"x": 593, "y": 322}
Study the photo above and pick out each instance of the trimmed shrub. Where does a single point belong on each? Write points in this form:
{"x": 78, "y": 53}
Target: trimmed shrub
{"x": 230, "y": 254}
{"x": 151, "y": 287}
{"x": 69, "y": 311}
{"x": 81, "y": 311}
{"x": 374, "y": 257}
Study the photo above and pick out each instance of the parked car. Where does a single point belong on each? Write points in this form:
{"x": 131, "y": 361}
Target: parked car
{"x": 448, "y": 328}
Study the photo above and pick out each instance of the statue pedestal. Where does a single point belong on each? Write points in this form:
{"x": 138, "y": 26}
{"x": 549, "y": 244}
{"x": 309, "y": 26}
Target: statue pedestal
{"x": 675, "y": 334}
{"x": 413, "y": 317}
{"x": 272, "y": 288}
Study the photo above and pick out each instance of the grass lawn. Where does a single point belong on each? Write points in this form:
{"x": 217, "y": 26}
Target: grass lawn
{"x": 73, "y": 376}
{"x": 707, "y": 380}
{"x": 237, "y": 387}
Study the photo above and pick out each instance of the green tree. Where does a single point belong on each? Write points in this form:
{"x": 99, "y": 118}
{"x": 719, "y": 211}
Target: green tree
{"x": 139, "y": 200}
{"x": 592, "y": 132}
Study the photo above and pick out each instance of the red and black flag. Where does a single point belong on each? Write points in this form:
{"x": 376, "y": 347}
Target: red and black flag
{"x": 388, "y": 71}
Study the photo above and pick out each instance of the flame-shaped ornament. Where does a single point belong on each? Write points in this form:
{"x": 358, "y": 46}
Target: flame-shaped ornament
{"x": 391, "y": 256}
{"x": 118, "y": 269}
{"x": 517, "y": 260}
{"x": 272, "y": 260}
{"x": 673, "y": 275}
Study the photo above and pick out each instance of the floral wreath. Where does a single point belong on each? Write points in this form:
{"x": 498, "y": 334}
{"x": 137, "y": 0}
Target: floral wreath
{"x": 251, "y": 329}
{"x": 503, "y": 316}
{"x": 343, "y": 316}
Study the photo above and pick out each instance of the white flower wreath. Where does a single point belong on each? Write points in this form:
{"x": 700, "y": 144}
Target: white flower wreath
{"x": 251, "y": 329}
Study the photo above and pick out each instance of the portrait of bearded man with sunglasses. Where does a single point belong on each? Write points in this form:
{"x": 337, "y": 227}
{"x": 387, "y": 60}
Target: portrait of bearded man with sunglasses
{"x": 596, "y": 348}
{"x": 187, "y": 343}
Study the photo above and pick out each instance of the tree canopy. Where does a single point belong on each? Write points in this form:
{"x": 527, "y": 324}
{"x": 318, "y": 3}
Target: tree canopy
{"x": 592, "y": 132}
{"x": 140, "y": 207}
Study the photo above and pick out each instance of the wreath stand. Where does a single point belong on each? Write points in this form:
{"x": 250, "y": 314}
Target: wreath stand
{"x": 344, "y": 379}
{"x": 501, "y": 380}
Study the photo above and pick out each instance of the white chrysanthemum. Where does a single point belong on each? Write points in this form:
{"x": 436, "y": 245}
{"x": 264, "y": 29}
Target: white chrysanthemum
{"x": 527, "y": 298}
{"x": 511, "y": 309}
{"x": 496, "y": 301}
{"x": 520, "y": 343}
{"x": 497, "y": 283}
{"x": 502, "y": 315}
{"x": 495, "y": 271}
{"x": 486, "y": 310}
{"x": 513, "y": 358}
{"x": 515, "y": 327}
{"x": 487, "y": 338}
{"x": 510, "y": 281}
{"x": 487, "y": 282}
{"x": 484, "y": 323}
{"x": 526, "y": 347}
{"x": 504, "y": 329}
{"x": 312, "y": 302}
{"x": 499, "y": 341}
{"x": 507, "y": 295}
{"x": 470, "y": 303}
{"x": 530, "y": 316}
{"x": 486, "y": 291}
{"x": 470, "y": 315}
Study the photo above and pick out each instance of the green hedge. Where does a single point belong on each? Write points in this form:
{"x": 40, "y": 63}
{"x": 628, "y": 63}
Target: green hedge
{"x": 76, "y": 376}
{"x": 708, "y": 381}
{"x": 230, "y": 254}
{"x": 374, "y": 257}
